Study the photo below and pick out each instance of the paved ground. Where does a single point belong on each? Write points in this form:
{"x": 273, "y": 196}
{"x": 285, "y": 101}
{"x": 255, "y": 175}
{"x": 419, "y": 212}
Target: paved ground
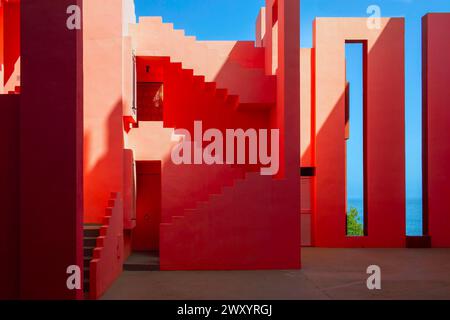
{"x": 326, "y": 274}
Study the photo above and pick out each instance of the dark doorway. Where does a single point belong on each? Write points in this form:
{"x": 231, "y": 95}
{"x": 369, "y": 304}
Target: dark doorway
{"x": 148, "y": 208}
{"x": 145, "y": 239}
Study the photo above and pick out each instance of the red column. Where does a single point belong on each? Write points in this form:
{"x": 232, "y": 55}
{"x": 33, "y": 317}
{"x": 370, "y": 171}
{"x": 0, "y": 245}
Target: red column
{"x": 286, "y": 115}
{"x": 2, "y": 46}
{"x": 9, "y": 197}
{"x": 436, "y": 122}
{"x": 51, "y": 150}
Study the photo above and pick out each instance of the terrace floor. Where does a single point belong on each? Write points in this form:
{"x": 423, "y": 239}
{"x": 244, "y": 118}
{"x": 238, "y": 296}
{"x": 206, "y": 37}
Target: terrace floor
{"x": 326, "y": 274}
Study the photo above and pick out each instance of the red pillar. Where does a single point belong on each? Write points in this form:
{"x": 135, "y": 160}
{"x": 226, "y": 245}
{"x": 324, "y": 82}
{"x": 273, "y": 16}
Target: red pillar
{"x": 2, "y": 44}
{"x": 51, "y": 236}
{"x": 9, "y": 197}
{"x": 436, "y": 122}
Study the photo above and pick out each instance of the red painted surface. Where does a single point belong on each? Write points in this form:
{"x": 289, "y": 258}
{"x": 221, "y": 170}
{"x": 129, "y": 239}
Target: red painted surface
{"x": 436, "y": 120}
{"x": 9, "y": 45}
{"x": 150, "y": 101}
{"x": 103, "y": 50}
{"x": 148, "y": 210}
{"x": 9, "y": 197}
{"x": 106, "y": 264}
{"x": 384, "y": 132}
{"x": 218, "y": 235}
{"x": 51, "y": 109}
{"x": 129, "y": 197}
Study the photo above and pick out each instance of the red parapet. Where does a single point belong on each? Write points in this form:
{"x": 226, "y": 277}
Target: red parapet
{"x": 107, "y": 261}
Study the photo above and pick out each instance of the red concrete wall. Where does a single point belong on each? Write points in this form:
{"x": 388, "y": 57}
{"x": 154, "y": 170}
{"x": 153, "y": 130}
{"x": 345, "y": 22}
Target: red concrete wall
{"x": 262, "y": 232}
{"x": 9, "y": 197}
{"x": 107, "y": 262}
{"x": 436, "y": 121}
{"x": 384, "y": 131}
{"x": 51, "y": 141}
{"x": 12, "y": 45}
{"x": 103, "y": 105}
{"x": 306, "y": 109}
{"x": 129, "y": 197}
{"x": 9, "y": 45}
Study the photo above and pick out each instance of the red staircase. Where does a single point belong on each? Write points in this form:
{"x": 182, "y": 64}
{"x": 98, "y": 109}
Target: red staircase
{"x": 189, "y": 98}
{"x": 219, "y": 233}
{"x": 210, "y": 231}
{"x": 218, "y": 61}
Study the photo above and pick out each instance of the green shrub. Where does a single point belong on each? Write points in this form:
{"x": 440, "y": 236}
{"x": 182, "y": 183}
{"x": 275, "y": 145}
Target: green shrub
{"x": 354, "y": 225}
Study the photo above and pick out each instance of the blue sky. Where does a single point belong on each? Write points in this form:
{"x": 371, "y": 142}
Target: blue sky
{"x": 235, "y": 20}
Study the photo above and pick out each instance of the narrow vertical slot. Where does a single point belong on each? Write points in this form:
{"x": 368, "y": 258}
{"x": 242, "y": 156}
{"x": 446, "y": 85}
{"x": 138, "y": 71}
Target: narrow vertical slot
{"x": 354, "y": 135}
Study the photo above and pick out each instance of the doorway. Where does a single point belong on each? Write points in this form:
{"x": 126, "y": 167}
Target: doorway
{"x": 145, "y": 239}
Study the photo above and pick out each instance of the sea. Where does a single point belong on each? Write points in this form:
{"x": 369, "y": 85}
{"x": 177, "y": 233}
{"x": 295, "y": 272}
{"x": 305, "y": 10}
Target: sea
{"x": 413, "y": 214}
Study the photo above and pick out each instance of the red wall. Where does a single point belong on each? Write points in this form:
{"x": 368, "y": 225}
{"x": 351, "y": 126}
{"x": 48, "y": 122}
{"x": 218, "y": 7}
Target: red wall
{"x": 436, "y": 122}
{"x": 51, "y": 232}
{"x": 9, "y": 45}
{"x": 9, "y": 197}
{"x": 109, "y": 253}
{"x": 12, "y": 39}
{"x": 103, "y": 105}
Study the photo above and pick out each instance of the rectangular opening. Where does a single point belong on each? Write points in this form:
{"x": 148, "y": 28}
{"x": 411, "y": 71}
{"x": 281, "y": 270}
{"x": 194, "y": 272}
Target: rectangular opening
{"x": 146, "y": 235}
{"x": 356, "y": 209}
{"x": 307, "y": 171}
{"x": 150, "y": 101}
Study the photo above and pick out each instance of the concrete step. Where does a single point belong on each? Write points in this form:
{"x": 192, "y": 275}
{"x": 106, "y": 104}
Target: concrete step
{"x": 86, "y": 285}
{"x": 142, "y": 261}
{"x": 86, "y": 262}
{"x": 90, "y": 241}
{"x": 88, "y": 251}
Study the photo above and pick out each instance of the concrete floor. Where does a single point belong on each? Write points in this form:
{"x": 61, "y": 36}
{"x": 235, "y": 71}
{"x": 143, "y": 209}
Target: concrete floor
{"x": 326, "y": 274}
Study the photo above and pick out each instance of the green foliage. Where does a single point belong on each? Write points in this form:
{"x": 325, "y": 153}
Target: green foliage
{"x": 354, "y": 225}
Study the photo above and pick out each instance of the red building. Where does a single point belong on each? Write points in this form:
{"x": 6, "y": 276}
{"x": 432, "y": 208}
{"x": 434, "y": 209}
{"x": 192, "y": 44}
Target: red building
{"x": 95, "y": 104}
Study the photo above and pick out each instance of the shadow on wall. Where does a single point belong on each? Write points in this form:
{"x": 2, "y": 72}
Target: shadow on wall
{"x": 105, "y": 175}
{"x": 243, "y": 73}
